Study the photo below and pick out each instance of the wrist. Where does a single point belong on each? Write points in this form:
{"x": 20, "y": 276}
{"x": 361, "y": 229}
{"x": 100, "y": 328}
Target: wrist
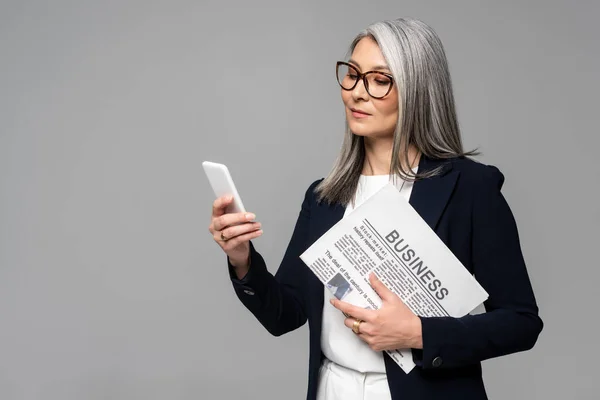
{"x": 417, "y": 336}
{"x": 240, "y": 268}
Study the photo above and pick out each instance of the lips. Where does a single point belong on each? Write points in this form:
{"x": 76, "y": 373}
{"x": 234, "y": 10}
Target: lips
{"x": 356, "y": 110}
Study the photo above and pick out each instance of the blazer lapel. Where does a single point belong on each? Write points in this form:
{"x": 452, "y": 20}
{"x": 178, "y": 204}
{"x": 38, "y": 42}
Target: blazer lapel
{"x": 430, "y": 196}
{"x": 328, "y": 216}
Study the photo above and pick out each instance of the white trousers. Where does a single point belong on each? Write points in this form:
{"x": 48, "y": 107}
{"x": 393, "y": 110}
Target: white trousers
{"x": 341, "y": 383}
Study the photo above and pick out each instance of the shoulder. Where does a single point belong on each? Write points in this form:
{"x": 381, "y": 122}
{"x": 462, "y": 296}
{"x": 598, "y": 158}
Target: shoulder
{"x": 310, "y": 191}
{"x": 477, "y": 174}
{"x": 314, "y": 184}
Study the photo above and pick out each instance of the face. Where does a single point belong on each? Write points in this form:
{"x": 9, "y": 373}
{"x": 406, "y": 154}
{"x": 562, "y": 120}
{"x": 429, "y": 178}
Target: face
{"x": 381, "y": 114}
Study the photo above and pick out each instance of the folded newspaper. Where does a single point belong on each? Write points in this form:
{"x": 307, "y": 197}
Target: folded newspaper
{"x": 385, "y": 235}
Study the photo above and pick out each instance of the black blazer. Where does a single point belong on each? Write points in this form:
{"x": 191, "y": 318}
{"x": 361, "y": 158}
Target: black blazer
{"x": 466, "y": 209}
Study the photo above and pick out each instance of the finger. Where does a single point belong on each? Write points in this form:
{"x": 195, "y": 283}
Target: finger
{"x": 231, "y": 219}
{"x": 237, "y": 230}
{"x": 364, "y": 328}
{"x": 382, "y": 290}
{"x": 220, "y": 204}
{"x": 365, "y": 338}
{"x": 356, "y": 312}
{"x": 371, "y": 341}
{"x": 236, "y": 241}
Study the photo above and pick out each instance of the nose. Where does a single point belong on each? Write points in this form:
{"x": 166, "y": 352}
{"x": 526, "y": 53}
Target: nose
{"x": 360, "y": 91}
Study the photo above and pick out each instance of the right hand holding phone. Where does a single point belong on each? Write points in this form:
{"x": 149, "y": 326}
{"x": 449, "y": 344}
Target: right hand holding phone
{"x": 237, "y": 229}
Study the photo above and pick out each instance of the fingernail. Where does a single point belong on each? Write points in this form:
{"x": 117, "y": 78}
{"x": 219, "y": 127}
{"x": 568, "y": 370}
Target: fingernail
{"x": 250, "y": 216}
{"x": 331, "y": 301}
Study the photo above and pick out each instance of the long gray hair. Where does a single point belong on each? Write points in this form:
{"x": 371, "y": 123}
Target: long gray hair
{"x": 427, "y": 115}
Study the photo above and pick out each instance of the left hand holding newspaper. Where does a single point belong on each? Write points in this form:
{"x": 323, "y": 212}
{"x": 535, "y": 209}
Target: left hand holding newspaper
{"x": 387, "y": 237}
{"x": 393, "y": 326}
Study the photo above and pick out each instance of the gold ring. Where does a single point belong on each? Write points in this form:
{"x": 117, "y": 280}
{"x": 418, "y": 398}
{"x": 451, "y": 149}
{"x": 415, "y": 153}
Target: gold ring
{"x": 223, "y": 237}
{"x": 356, "y": 326}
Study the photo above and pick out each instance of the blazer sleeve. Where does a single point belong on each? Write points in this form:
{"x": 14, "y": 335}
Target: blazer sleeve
{"x": 511, "y": 322}
{"x": 277, "y": 301}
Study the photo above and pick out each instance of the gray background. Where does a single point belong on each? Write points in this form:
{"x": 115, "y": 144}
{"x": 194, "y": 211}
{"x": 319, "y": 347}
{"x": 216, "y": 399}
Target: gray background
{"x": 110, "y": 284}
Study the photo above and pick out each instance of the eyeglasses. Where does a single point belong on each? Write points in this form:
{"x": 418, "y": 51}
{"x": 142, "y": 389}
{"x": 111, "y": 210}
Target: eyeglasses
{"x": 378, "y": 84}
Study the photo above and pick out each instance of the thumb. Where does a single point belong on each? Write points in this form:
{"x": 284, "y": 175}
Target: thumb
{"x": 382, "y": 290}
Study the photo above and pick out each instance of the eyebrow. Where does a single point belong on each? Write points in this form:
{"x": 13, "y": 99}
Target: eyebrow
{"x": 375, "y": 68}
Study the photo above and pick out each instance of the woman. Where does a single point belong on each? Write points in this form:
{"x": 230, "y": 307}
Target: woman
{"x": 400, "y": 124}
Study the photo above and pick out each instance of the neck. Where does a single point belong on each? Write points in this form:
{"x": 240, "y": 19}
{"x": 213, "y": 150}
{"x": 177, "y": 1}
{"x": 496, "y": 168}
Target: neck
{"x": 378, "y": 156}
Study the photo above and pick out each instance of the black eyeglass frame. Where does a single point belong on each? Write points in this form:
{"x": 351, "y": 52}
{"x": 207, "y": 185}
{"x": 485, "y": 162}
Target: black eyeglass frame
{"x": 363, "y": 77}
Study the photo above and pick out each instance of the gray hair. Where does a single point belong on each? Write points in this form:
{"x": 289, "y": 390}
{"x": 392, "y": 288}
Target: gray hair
{"x": 427, "y": 115}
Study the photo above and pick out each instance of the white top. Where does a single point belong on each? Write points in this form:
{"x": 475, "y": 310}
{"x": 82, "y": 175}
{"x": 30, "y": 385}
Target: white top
{"x": 338, "y": 343}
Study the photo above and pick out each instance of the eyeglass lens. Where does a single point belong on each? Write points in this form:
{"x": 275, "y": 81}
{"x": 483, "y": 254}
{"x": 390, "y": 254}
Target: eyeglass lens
{"x": 378, "y": 84}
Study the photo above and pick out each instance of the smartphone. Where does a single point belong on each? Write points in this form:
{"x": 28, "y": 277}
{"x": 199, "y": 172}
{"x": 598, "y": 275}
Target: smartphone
{"x": 222, "y": 184}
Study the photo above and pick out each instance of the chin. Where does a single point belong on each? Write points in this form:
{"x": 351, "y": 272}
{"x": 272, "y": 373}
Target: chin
{"x": 361, "y": 130}
{"x": 368, "y": 133}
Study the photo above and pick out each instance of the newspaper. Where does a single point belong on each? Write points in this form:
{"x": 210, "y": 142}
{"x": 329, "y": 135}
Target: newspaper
{"x": 385, "y": 235}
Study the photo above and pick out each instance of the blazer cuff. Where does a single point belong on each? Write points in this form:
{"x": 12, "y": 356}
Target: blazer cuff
{"x": 248, "y": 285}
{"x": 432, "y": 355}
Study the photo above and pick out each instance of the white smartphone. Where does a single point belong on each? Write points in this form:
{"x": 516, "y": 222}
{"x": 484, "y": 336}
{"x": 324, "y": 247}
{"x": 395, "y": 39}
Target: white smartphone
{"x": 222, "y": 184}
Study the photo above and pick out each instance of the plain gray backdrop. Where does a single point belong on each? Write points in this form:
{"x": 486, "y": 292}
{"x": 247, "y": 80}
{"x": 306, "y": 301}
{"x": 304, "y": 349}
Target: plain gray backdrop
{"x": 111, "y": 286}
